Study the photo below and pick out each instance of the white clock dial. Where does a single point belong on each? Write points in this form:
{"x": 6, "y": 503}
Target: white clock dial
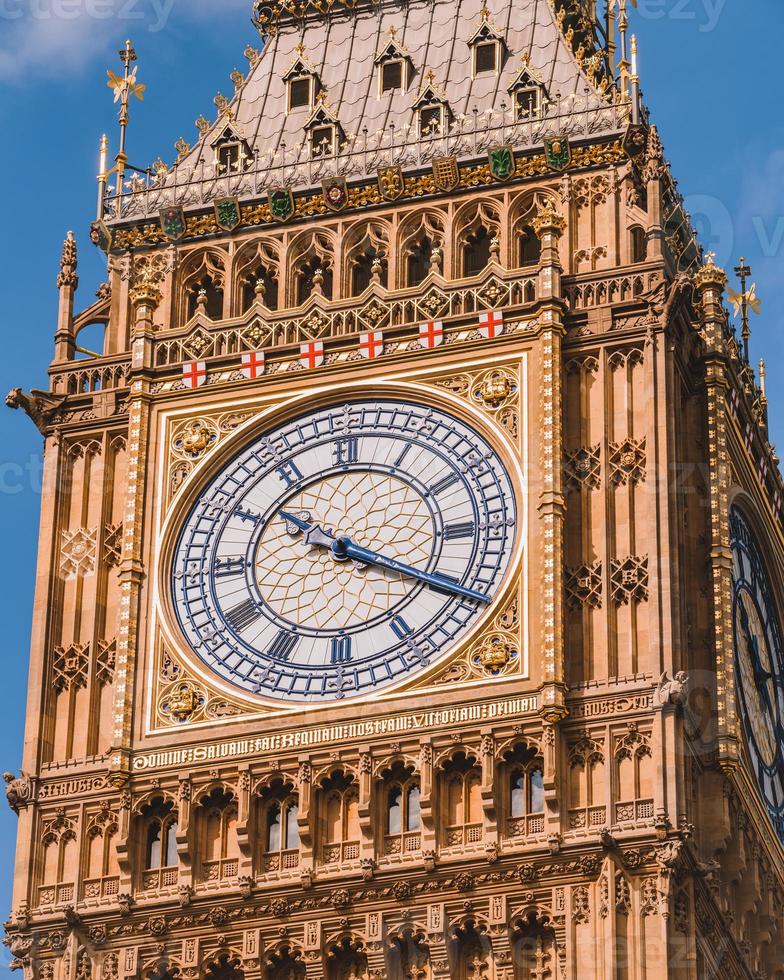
{"x": 345, "y": 550}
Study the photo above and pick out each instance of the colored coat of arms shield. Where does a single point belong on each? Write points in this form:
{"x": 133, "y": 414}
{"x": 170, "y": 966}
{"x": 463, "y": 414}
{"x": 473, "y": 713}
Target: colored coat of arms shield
{"x": 281, "y": 203}
{"x": 335, "y": 193}
{"x": 173, "y": 223}
{"x": 558, "y": 152}
{"x": 502, "y": 162}
{"x": 228, "y": 215}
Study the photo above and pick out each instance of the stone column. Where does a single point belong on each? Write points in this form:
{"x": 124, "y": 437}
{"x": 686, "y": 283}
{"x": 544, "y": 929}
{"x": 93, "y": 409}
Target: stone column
{"x": 549, "y": 226}
{"x": 146, "y": 277}
{"x": 710, "y": 283}
{"x": 654, "y": 172}
{"x": 305, "y": 818}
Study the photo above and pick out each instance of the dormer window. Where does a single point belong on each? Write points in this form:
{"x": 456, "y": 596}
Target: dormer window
{"x": 432, "y": 109}
{"x": 302, "y": 82}
{"x": 528, "y": 93}
{"x": 301, "y": 93}
{"x": 487, "y": 44}
{"x": 392, "y": 77}
{"x": 324, "y": 129}
{"x": 486, "y": 57}
{"x": 232, "y": 153}
{"x": 394, "y": 65}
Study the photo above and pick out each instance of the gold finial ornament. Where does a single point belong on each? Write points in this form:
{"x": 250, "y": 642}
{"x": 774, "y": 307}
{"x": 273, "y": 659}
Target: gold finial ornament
{"x": 548, "y": 220}
{"x": 710, "y": 275}
{"x": 124, "y": 86}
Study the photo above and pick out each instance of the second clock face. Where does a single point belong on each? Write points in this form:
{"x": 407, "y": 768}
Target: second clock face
{"x": 344, "y": 551}
{"x": 759, "y": 657}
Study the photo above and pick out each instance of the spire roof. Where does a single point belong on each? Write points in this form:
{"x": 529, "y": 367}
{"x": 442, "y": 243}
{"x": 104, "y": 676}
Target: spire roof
{"x": 342, "y": 49}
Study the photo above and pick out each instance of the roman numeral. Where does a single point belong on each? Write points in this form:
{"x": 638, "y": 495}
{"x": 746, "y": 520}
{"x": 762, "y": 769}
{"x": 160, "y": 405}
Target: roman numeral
{"x": 289, "y": 473}
{"x": 282, "y": 646}
{"x": 454, "y": 532}
{"x": 402, "y": 456}
{"x": 241, "y": 617}
{"x": 247, "y": 516}
{"x": 340, "y": 649}
{"x": 400, "y": 627}
{"x": 445, "y": 484}
{"x": 229, "y": 567}
{"x": 346, "y": 451}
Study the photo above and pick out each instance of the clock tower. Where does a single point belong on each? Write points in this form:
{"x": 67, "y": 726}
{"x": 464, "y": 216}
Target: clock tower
{"x": 411, "y": 572}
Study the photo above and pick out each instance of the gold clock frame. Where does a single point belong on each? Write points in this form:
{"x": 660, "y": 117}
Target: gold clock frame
{"x": 190, "y": 686}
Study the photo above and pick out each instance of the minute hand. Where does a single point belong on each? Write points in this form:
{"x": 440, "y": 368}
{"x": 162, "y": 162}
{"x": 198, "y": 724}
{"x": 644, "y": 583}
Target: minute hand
{"x": 345, "y": 547}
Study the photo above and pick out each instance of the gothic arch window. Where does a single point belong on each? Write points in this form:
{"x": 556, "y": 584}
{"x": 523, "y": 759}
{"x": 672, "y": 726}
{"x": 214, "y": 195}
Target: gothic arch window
{"x": 159, "y": 858}
{"x": 471, "y": 952}
{"x": 477, "y": 238}
{"x": 402, "y": 820}
{"x": 285, "y": 963}
{"x": 347, "y": 960}
{"x": 310, "y": 264}
{"x": 260, "y": 286}
{"x": 638, "y": 244}
{"x": 529, "y": 248}
{"x": 587, "y": 784}
{"x": 419, "y": 247}
{"x": 279, "y": 827}
{"x": 409, "y": 954}
{"x": 461, "y": 801}
{"x": 366, "y": 257}
{"x": 257, "y": 279}
{"x": 206, "y": 297}
{"x": 338, "y": 805}
{"x": 524, "y": 785}
{"x": 203, "y": 278}
{"x": 102, "y": 870}
{"x": 534, "y": 948}
{"x": 225, "y": 967}
{"x": 634, "y": 777}
{"x": 217, "y": 822}
{"x": 476, "y": 251}
{"x": 324, "y": 130}
{"x": 60, "y": 865}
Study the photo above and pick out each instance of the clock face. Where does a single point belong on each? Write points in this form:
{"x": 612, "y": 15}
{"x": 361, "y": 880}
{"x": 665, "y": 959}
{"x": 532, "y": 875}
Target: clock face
{"x": 344, "y": 551}
{"x": 759, "y": 660}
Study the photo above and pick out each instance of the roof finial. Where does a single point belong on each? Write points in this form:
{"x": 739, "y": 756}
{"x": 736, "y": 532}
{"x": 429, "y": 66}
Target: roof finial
{"x": 635, "y": 83}
{"x": 123, "y": 89}
{"x": 744, "y": 301}
{"x": 623, "y": 64}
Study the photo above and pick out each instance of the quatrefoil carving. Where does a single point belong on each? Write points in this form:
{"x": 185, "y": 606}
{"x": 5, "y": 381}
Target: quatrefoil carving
{"x": 627, "y": 461}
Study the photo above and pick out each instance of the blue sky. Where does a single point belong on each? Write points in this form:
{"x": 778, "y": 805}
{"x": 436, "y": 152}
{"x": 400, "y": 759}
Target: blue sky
{"x": 711, "y": 72}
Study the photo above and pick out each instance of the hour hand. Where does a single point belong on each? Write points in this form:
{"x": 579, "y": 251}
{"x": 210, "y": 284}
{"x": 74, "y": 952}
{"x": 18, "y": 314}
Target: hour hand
{"x": 314, "y": 534}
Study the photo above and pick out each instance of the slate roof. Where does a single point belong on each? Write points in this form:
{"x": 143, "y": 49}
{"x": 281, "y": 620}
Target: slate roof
{"x": 343, "y": 47}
